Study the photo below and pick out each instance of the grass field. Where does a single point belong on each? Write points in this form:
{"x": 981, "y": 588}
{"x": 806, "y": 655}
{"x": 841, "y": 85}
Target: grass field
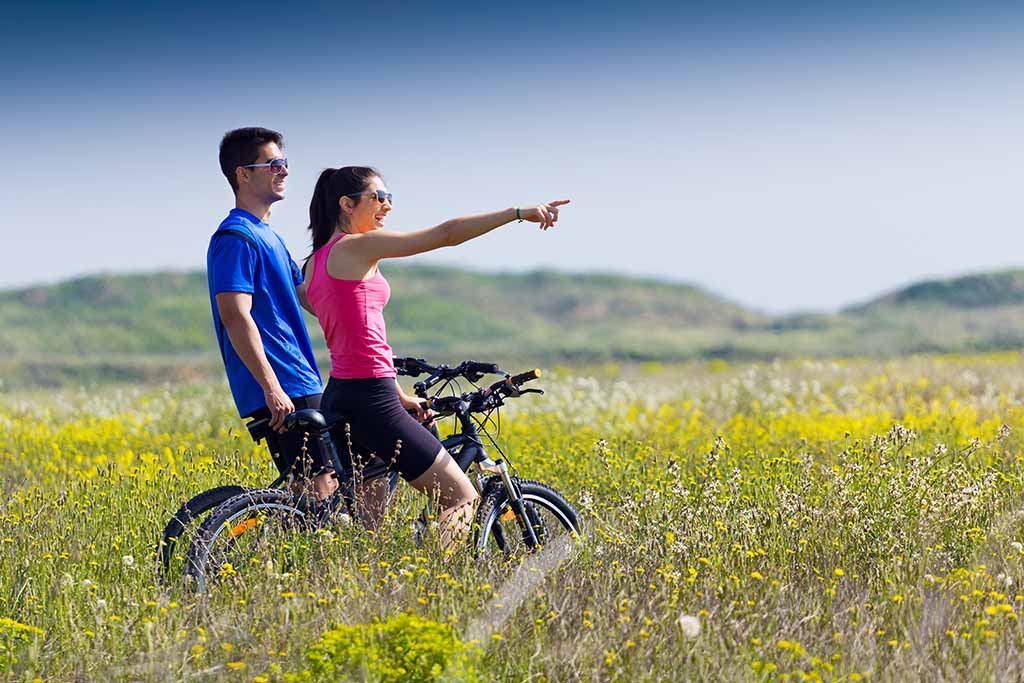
{"x": 841, "y": 521}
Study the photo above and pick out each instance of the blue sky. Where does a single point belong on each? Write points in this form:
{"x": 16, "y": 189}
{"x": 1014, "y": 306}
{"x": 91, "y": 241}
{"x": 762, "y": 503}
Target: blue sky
{"x": 786, "y": 155}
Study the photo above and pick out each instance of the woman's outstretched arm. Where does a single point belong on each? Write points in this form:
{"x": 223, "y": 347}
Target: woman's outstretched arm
{"x": 379, "y": 244}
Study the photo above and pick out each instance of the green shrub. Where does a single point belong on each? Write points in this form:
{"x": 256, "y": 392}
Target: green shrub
{"x": 14, "y": 635}
{"x": 404, "y": 648}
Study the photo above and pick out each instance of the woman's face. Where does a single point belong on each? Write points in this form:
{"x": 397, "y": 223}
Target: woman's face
{"x": 367, "y": 213}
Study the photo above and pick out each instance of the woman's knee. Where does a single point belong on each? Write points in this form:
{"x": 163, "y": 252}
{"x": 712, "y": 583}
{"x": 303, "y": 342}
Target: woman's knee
{"x": 446, "y": 480}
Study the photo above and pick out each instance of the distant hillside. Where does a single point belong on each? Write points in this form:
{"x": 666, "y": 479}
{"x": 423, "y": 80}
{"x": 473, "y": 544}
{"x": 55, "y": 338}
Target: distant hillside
{"x": 165, "y": 318}
{"x": 985, "y": 290}
{"x": 157, "y": 326}
{"x": 980, "y": 312}
{"x": 159, "y": 313}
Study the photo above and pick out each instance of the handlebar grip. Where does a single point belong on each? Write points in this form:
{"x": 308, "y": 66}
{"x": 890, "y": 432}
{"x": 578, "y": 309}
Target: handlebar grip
{"x": 410, "y": 367}
{"x": 524, "y": 377}
{"x": 484, "y": 368}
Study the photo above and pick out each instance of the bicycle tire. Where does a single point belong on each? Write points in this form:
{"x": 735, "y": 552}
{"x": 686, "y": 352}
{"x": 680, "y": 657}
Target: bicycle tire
{"x": 538, "y": 498}
{"x": 284, "y": 505}
{"x": 189, "y": 512}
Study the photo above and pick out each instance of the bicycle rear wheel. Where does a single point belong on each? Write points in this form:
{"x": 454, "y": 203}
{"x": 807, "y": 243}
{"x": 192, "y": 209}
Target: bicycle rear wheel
{"x": 254, "y": 532}
{"x": 498, "y": 530}
{"x": 187, "y": 516}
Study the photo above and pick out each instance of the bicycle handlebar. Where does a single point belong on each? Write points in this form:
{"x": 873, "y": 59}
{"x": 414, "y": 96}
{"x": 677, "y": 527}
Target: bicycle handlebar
{"x": 411, "y": 367}
{"x": 524, "y": 377}
{"x": 484, "y": 399}
{"x": 472, "y": 370}
{"x": 480, "y": 400}
{"x": 482, "y": 368}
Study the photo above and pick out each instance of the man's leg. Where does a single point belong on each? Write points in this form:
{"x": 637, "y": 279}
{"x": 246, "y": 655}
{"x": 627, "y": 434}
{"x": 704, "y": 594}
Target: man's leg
{"x": 300, "y": 456}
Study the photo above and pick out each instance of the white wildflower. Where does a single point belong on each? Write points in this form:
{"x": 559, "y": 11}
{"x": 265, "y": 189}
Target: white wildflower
{"x": 1017, "y": 546}
{"x": 689, "y": 625}
{"x": 128, "y": 561}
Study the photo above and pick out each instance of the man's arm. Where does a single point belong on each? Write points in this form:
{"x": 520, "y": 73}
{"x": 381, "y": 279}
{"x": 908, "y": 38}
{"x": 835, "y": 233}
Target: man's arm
{"x": 300, "y": 287}
{"x": 300, "y": 291}
{"x": 235, "y": 310}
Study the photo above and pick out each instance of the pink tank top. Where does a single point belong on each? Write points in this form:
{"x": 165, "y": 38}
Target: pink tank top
{"x": 351, "y": 314}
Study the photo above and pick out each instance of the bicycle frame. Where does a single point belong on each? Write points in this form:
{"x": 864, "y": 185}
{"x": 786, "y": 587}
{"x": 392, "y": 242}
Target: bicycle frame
{"x": 467, "y": 448}
{"x": 492, "y": 478}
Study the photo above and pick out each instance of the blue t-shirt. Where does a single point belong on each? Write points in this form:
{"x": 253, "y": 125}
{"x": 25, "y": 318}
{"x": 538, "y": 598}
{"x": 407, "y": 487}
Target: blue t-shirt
{"x": 262, "y": 267}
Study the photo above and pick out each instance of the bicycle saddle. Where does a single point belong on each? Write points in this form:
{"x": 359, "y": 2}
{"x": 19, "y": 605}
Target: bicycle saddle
{"x": 307, "y": 419}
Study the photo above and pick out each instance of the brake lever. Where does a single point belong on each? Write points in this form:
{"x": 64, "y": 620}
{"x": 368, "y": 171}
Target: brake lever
{"x": 531, "y": 391}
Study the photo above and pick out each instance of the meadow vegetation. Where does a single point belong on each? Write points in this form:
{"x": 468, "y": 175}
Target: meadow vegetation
{"x": 802, "y": 520}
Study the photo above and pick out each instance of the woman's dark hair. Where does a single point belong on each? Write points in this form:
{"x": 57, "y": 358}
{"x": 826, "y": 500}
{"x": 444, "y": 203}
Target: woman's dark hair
{"x": 242, "y": 146}
{"x": 333, "y": 184}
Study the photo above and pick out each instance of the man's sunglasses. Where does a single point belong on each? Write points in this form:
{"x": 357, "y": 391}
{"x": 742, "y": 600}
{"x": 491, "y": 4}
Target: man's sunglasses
{"x": 379, "y": 195}
{"x": 276, "y": 166}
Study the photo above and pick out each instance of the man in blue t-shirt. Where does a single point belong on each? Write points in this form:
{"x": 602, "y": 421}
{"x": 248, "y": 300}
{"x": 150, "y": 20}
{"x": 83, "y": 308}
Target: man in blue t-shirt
{"x": 256, "y": 291}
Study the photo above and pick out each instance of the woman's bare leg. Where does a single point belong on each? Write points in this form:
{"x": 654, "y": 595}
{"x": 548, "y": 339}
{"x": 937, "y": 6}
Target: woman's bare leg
{"x": 321, "y": 487}
{"x": 325, "y": 484}
{"x": 453, "y": 490}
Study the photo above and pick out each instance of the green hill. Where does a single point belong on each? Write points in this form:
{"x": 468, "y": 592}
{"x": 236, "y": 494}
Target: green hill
{"x": 979, "y": 312}
{"x": 157, "y": 326}
{"x": 984, "y": 290}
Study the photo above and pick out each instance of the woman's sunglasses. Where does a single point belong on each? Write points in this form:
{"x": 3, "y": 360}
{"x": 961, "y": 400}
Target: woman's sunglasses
{"x": 379, "y": 195}
{"x": 275, "y": 166}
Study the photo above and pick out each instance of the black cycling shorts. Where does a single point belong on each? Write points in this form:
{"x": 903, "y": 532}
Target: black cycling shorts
{"x": 296, "y": 453}
{"x": 379, "y": 426}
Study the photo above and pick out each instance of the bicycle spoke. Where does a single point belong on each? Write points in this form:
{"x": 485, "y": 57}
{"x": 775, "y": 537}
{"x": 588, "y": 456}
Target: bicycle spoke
{"x": 508, "y": 534}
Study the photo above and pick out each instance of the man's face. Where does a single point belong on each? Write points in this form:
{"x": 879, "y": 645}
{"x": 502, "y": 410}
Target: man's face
{"x": 261, "y": 182}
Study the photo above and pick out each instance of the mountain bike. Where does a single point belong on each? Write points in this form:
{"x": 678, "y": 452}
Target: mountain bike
{"x": 515, "y": 516}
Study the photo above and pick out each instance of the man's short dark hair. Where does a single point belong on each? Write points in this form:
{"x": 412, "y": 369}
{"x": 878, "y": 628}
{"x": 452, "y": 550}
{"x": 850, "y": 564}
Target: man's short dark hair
{"x": 241, "y": 146}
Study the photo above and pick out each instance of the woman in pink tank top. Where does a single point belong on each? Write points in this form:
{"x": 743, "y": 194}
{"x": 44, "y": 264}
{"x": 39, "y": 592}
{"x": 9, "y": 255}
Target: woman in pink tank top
{"x": 348, "y": 293}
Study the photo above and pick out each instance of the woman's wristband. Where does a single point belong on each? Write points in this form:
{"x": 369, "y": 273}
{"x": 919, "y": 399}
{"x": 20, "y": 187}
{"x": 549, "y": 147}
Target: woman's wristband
{"x": 518, "y": 217}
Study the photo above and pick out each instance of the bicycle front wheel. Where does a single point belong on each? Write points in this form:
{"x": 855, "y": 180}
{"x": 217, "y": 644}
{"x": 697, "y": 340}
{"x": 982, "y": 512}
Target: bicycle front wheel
{"x": 497, "y": 529}
{"x": 188, "y": 517}
{"x": 254, "y": 532}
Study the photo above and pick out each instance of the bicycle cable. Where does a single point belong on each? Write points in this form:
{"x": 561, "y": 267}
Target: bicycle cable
{"x": 493, "y": 437}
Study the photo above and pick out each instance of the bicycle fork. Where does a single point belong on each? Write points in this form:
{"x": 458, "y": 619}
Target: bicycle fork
{"x": 515, "y": 500}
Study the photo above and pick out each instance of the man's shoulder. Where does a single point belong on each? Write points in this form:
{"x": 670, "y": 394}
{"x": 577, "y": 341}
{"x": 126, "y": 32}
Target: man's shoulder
{"x": 230, "y": 241}
{"x": 238, "y": 221}
{"x": 236, "y": 226}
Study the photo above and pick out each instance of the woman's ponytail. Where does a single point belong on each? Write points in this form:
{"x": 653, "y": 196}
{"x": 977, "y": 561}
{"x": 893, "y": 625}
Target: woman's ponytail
{"x": 323, "y": 210}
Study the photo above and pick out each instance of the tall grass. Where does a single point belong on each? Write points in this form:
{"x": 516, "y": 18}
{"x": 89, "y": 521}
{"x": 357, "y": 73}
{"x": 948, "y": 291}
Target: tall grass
{"x": 798, "y": 521}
